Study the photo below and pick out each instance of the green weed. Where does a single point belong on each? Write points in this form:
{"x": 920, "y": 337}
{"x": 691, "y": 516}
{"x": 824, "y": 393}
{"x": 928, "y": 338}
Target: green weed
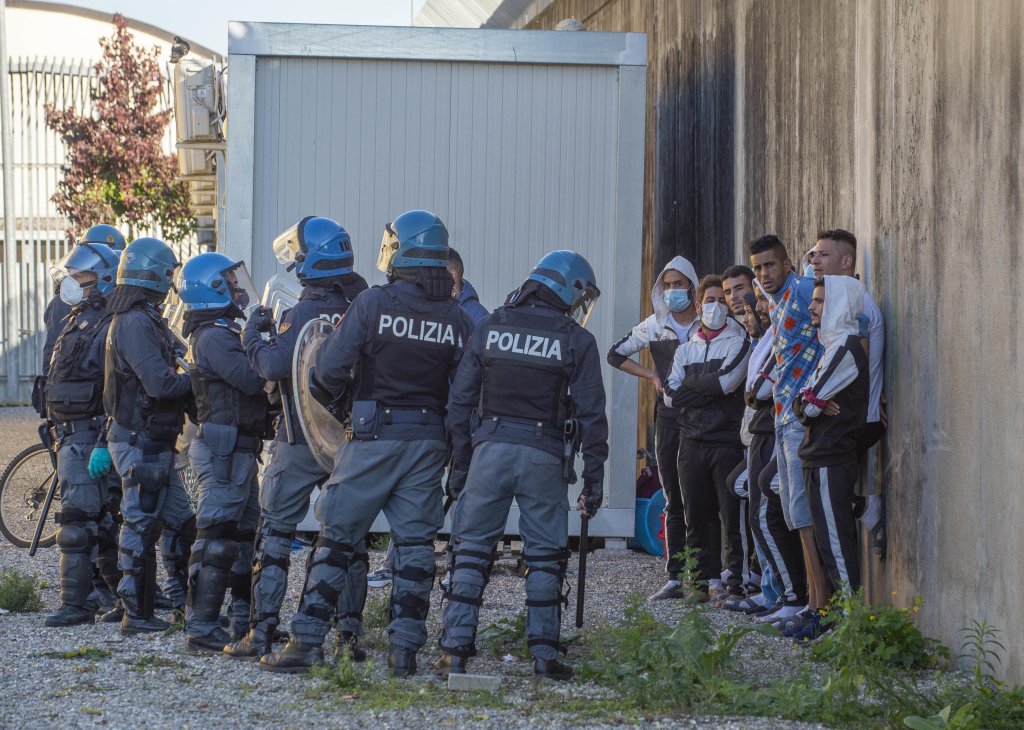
{"x": 507, "y": 636}
{"x": 83, "y": 652}
{"x": 19, "y": 592}
{"x": 379, "y": 541}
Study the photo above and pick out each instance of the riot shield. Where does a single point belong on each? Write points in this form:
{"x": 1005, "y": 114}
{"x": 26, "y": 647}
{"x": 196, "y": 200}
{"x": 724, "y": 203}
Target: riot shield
{"x": 324, "y": 434}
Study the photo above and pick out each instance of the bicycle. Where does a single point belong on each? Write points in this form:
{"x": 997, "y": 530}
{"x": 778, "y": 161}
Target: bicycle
{"x": 23, "y": 487}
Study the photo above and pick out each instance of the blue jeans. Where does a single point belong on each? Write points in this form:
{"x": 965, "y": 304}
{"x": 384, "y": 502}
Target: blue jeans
{"x": 792, "y": 490}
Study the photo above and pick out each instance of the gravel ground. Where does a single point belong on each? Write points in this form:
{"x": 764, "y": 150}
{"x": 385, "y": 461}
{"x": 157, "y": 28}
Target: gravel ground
{"x": 154, "y": 681}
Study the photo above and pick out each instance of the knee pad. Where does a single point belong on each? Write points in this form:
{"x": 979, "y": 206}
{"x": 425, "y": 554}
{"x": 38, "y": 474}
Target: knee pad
{"x": 221, "y": 553}
{"x": 73, "y": 538}
{"x": 545, "y": 575}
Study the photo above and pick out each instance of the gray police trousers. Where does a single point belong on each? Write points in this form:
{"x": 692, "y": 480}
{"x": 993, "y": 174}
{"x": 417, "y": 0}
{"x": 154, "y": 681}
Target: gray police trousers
{"x": 149, "y": 516}
{"x": 498, "y": 473}
{"x": 402, "y": 479}
{"x": 87, "y": 526}
{"x": 288, "y": 480}
{"x": 227, "y": 510}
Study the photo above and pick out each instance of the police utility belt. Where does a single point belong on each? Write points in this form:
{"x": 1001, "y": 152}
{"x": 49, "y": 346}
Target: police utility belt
{"x": 568, "y": 436}
{"x": 65, "y": 428}
{"x": 369, "y": 419}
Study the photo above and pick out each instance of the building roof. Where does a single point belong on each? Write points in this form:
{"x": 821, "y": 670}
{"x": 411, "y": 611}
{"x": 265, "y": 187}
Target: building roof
{"x": 479, "y": 13}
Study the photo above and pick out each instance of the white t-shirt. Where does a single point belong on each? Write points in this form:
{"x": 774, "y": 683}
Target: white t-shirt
{"x": 876, "y": 348}
{"x": 682, "y": 330}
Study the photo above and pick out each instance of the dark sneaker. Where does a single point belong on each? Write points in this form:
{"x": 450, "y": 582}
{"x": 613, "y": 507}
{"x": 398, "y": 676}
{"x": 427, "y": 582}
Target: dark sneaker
{"x": 295, "y": 658}
{"x": 347, "y": 643}
{"x": 813, "y": 628}
{"x": 249, "y": 648}
{"x": 552, "y": 669}
{"x": 70, "y": 616}
{"x": 131, "y": 625}
{"x": 450, "y": 664}
{"x": 402, "y": 661}
{"x": 791, "y": 627}
{"x": 673, "y": 590}
{"x": 215, "y": 641}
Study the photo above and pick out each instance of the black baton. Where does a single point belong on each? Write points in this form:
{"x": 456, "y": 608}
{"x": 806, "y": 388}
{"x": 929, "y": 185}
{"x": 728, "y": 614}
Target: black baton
{"x": 41, "y": 525}
{"x": 581, "y": 584}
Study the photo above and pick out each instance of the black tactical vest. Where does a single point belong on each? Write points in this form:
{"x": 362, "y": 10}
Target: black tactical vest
{"x": 126, "y": 400}
{"x": 217, "y": 401}
{"x": 527, "y": 366}
{"x": 74, "y": 388}
{"x": 408, "y": 359}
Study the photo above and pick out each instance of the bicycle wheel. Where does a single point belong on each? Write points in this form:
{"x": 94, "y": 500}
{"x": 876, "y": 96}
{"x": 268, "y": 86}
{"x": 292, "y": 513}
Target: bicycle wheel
{"x": 23, "y": 487}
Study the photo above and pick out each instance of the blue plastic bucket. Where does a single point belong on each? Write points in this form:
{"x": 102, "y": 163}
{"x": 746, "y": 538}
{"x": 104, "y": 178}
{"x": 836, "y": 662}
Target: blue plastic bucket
{"x": 648, "y": 526}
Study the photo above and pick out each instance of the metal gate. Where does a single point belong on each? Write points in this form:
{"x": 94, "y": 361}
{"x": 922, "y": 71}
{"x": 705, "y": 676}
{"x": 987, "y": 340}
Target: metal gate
{"x": 38, "y": 156}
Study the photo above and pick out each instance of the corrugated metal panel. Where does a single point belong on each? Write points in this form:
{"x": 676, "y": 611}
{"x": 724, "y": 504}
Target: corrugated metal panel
{"x": 464, "y": 146}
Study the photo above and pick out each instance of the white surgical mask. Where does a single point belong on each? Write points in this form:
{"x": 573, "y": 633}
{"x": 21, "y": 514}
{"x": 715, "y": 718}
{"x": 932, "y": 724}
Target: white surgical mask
{"x": 712, "y": 315}
{"x": 71, "y": 292}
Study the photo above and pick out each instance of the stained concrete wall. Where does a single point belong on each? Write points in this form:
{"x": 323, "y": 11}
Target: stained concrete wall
{"x": 901, "y": 120}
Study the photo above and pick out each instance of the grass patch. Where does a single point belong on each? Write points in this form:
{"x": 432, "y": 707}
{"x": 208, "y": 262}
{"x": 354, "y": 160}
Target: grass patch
{"x": 379, "y": 541}
{"x": 83, "y": 652}
{"x": 507, "y": 636}
{"x": 19, "y": 592}
{"x": 376, "y": 617}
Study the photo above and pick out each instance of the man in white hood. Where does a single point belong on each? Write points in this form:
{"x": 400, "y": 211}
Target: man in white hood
{"x": 674, "y": 318}
{"x": 705, "y": 385}
{"x": 834, "y": 407}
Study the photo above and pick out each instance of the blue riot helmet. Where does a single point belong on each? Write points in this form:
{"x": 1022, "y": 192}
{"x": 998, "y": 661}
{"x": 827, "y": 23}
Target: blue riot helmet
{"x": 85, "y": 266}
{"x": 148, "y": 263}
{"x": 107, "y": 235}
{"x": 416, "y": 238}
{"x": 572, "y": 279}
{"x": 317, "y": 248}
{"x": 214, "y": 281}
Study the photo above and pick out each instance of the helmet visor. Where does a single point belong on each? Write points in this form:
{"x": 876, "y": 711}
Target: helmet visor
{"x": 243, "y": 290}
{"x": 81, "y": 259}
{"x": 287, "y": 247}
{"x": 584, "y": 305}
{"x": 388, "y": 247}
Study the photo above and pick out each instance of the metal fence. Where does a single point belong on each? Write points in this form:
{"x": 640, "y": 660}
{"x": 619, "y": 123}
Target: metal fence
{"x": 38, "y": 159}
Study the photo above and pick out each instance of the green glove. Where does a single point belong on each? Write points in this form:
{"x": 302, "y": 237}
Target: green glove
{"x": 99, "y": 462}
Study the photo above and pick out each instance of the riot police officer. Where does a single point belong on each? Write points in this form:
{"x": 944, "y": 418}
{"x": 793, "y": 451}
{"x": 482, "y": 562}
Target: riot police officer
{"x": 533, "y": 375}
{"x": 320, "y": 252}
{"x": 231, "y": 408}
{"x": 146, "y": 397}
{"x": 57, "y": 310}
{"x": 74, "y": 405}
{"x": 393, "y": 357}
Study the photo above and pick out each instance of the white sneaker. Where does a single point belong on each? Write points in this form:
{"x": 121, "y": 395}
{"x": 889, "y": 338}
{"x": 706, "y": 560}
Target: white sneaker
{"x": 783, "y": 613}
{"x": 379, "y": 578}
{"x": 872, "y": 513}
{"x": 672, "y": 590}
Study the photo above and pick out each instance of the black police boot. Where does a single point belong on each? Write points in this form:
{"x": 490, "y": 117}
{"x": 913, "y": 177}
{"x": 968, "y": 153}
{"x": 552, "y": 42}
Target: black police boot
{"x": 402, "y": 661}
{"x": 295, "y": 658}
{"x": 348, "y": 643}
{"x": 551, "y": 669}
{"x": 75, "y": 578}
{"x": 138, "y": 615}
{"x": 216, "y": 641}
{"x": 252, "y": 646}
{"x": 206, "y": 593}
{"x": 142, "y": 624}
{"x": 450, "y": 664}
